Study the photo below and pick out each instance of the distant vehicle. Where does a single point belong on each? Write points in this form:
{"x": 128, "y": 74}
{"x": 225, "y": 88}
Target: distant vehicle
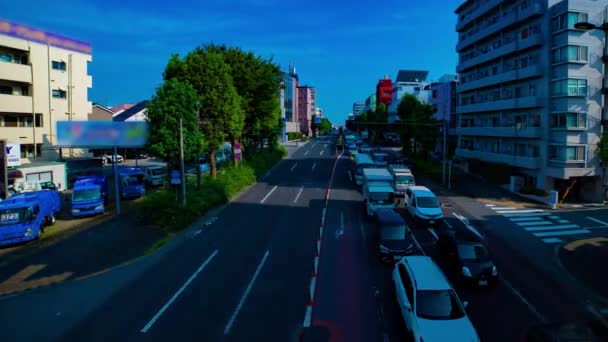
{"x": 351, "y": 146}
{"x": 89, "y": 195}
{"x": 132, "y": 182}
{"x": 378, "y": 190}
{"x": 469, "y": 260}
{"x": 423, "y": 206}
{"x": 24, "y": 216}
{"x": 365, "y": 149}
{"x": 155, "y": 175}
{"x": 380, "y": 158}
{"x": 429, "y": 305}
{"x": 351, "y": 155}
{"x": 394, "y": 236}
{"x": 402, "y": 179}
{"x": 362, "y": 161}
{"x": 110, "y": 159}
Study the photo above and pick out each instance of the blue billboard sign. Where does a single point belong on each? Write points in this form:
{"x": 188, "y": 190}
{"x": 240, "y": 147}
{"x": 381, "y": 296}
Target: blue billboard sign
{"x": 317, "y": 119}
{"x": 102, "y": 133}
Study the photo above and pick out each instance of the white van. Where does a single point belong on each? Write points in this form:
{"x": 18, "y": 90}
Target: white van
{"x": 423, "y": 206}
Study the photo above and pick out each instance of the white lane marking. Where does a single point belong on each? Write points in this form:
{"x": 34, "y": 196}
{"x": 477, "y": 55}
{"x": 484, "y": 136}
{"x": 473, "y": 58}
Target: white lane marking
{"x": 554, "y": 217}
{"x": 350, "y": 176}
{"x": 197, "y": 232}
{"x": 552, "y": 240}
{"x": 268, "y": 194}
{"x": 537, "y": 223}
{"x": 306, "y": 153}
{"x": 417, "y": 244}
{"x": 245, "y": 294}
{"x": 294, "y": 166}
{"x": 519, "y": 219}
{"x": 362, "y": 229}
{"x": 181, "y": 289}
{"x": 321, "y": 152}
{"x": 307, "y": 317}
{"x": 468, "y": 225}
{"x": 598, "y": 221}
{"x": 298, "y": 195}
{"x": 489, "y": 205}
{"x": 563, "y": 221}
{"x": 520, "y": 211}
{"x": 340, "y": 230}
{"x": 527, "y": 215}
{"x": 432, "y": 231}
{"x": 314, "y": 165}
{"x": 525, "y": 301}
{"x": 503, "y": 208}
{"x": 448, "y": 224}
{"x": 312, "y": 287}
{"x": 562, "y": 227}
{"x": 567, "y": 232}
{"x": 316, "y": 263}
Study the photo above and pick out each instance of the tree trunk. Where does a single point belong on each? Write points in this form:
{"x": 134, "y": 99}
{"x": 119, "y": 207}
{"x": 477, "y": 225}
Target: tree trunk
{"x": 213, "y": 164}
{"x": 236, "y": 162}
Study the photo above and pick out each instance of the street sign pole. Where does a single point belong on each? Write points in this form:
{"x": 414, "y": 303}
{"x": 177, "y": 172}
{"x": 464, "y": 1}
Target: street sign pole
{"x": 115, "y": 165}
{"x": 181, "y": 161}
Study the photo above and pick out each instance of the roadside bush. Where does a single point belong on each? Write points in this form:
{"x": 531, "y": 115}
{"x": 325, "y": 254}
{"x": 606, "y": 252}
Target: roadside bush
{"x": 294, "y": 135}
{"x": 530, "y": 190}
{"x": 496, "y": 173}
{"x": 162, "y": 209}
{"x": 430, "y": 169}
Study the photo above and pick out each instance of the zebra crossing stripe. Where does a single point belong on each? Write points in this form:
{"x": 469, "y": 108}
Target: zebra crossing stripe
{"x": 489, "y": 205}
{"x": 566, "y": 226}
{"x": 527, "y": 214}
{"x": 532, "y": 218}
{"x": 537, "y": 223}
{"x": 523, "y": 211}
{"x": 552, "y": 240}
{"x": 565, "y": 232}
{"x": 504, "y": 208}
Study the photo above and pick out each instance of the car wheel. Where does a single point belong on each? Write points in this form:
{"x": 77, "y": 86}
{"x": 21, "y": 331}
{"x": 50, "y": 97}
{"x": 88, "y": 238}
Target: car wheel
{"x": 50, "y": 220}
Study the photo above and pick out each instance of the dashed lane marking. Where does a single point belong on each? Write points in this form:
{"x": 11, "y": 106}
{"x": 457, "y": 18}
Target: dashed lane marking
{"x": 598, "y": 221}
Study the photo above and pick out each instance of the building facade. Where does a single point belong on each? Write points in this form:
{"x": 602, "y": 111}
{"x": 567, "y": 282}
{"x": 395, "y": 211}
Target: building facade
{"x": 530, "y": 91}
{"x": 443, "y": 98}
{"x": 408, "y": 82}
{"x": 307, "y": 105}
{"x": 358, "y": 108}
{"x": 370, "y": 103}
{"x": 43, "y": 79}
{"x": 384, "y": 92}
{"x": 100, "y": 113}
{"x": 290, "y": 99}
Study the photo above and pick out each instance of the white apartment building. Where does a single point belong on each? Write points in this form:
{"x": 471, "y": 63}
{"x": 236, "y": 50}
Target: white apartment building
{"x": 43, "y": 79}
{"x": 530, "y": 90}
{"x": 408, "y": 82}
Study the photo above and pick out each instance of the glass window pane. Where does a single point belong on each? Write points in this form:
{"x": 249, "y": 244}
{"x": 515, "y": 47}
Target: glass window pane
{"x": 582, "y": 120}
{"x": 583, "y": 53}
{"x": 572, "y": 52}
{"x": 570, "y": 152}
{"x": 572, "y": 19}
{"x": 571, "y": 119}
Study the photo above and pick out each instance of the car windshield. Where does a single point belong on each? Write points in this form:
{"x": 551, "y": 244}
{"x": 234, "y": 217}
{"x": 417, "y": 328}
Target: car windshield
{"x": 17, "y": 215}
{"x": 392, "y": 233}
{"x": 427, "y": 202}
{"x": 438, "y": 305}
{"x": 133, "y": 180}
{"x": 157, "y": 172}
{"x": 405, "y": 179}
{"x": 381, "y": 197}
{"x": 85, "y": 195}
{"x": 473, "y": 252}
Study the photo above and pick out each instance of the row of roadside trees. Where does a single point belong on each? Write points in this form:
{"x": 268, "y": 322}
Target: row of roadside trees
{"x": 221, "y": 94}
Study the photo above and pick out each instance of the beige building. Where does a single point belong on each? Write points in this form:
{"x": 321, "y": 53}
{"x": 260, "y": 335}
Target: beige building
{"x": 43, "y": 79}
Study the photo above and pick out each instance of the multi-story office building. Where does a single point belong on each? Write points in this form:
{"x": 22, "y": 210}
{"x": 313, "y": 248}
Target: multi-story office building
{"x": 370, "y": 103}
{"x": 408, "y": 82}
{"x": 384, "y": 92}
{"x": 358, "y": 108}
{"x": 530, "y": 90}
{"x": 306, "y": 107}
{"x": 43, "y": 79}
{"x": 290, "y": 99}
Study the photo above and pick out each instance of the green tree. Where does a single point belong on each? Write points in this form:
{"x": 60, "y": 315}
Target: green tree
{"x": 419, "y": 127}
{"x": 174, "y": 100}
{"x": 220, "y": 113}
{"x": 325, "y": 125}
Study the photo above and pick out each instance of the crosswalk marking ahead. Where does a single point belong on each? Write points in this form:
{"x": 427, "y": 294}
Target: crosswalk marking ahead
{"x": 547, "y": 226}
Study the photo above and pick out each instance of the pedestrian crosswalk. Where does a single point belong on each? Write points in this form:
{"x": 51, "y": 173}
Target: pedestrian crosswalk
{"x": 549, "y": 227}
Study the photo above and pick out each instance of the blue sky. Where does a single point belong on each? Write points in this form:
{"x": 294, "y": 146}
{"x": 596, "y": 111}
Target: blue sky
{"x": 340, "y": 47}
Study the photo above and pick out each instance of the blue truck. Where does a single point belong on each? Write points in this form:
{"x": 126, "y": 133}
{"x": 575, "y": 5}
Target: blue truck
{"x": 89, "y": 195}
{"x": 24, "y": 216}
{"x": 132, "y": 182}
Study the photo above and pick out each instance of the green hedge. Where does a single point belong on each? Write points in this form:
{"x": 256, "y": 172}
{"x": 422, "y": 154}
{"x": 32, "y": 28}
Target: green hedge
{"x": 161, "y": 209}
{"x": 496, "y": 173}
{"x": 427, "y": 168}
{"x": 530, "y": 190}
{"x": 294, "y": 135}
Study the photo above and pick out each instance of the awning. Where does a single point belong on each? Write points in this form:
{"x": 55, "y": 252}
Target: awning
{"x": 13, "y": 174}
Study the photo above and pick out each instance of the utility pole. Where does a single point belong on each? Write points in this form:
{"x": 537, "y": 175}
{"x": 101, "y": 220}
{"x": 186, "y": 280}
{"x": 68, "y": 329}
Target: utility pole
{"x": 116, "y": 180}
{"x": 181, "y": 161}
{"x": 445, "y": 134}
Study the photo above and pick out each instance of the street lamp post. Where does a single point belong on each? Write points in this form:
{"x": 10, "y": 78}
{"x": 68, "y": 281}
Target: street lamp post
{"x": 604, "y": 91}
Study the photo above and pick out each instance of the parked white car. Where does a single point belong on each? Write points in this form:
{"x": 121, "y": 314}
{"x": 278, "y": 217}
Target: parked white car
{"x": 110, "y": 159}
{"x": 429, "y": 305}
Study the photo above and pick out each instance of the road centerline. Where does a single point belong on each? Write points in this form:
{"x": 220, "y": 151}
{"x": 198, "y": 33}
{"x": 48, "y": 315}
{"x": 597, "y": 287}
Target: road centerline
{"x": 314, "y": 165}
{"x": 294, "y": 166}
{"x": 181, "y": 289}
{"x": 299, "y": 193}
{"x": 245, "y": 294}
{"x": 268, "y": 194}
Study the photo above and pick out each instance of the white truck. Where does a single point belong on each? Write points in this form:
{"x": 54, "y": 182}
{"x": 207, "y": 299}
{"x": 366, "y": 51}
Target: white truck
{"x": 403, "y": 178}
{"x": 378, "y": 190}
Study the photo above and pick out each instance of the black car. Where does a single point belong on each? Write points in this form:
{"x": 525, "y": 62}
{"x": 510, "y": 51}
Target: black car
{"x": 468, "y": 260}
{"x": 394, "y": 236}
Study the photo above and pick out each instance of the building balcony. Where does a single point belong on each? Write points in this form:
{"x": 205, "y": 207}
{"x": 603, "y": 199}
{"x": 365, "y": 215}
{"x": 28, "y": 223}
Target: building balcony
{"x": 518, "y": 74}
{"x": 16, "y": 72}
{"x": 482, "y": 9}
{"x": 518, "y": 161}
{"x": 513, "y": 103}
{"x": 514, "y": 46}
{"x": 514, "y": 132}
{"x": 15, "y": 103}
{"x": 508, "y": 19}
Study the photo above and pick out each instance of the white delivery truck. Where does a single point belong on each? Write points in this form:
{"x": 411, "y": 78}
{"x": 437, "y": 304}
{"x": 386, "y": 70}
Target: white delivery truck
{"x": 378, "y": 190}
{"x": 403, "y": 178}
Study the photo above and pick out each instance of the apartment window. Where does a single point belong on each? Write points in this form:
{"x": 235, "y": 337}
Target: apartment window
{"x": 59, "y": 94}
{"x": 6, "y": 90}
{"x": 39, "y": 121}
{"x": 25, "y": 121}
{"x": 434, "y": 93}
{"x": 568, "y": 120}
{"x": 569, "y": 87}
{"x": 567, "y": 153}
{"x": 532, "y": 90}
{"x": 570, "y": 53}
{"x": 58, "y": 65}
{"x": 27, "y": 150}
{"x": 567, "y": 20}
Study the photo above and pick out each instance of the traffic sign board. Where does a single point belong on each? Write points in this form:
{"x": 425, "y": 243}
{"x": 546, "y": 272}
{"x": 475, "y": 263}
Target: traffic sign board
{"x": 237, "y": 151}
